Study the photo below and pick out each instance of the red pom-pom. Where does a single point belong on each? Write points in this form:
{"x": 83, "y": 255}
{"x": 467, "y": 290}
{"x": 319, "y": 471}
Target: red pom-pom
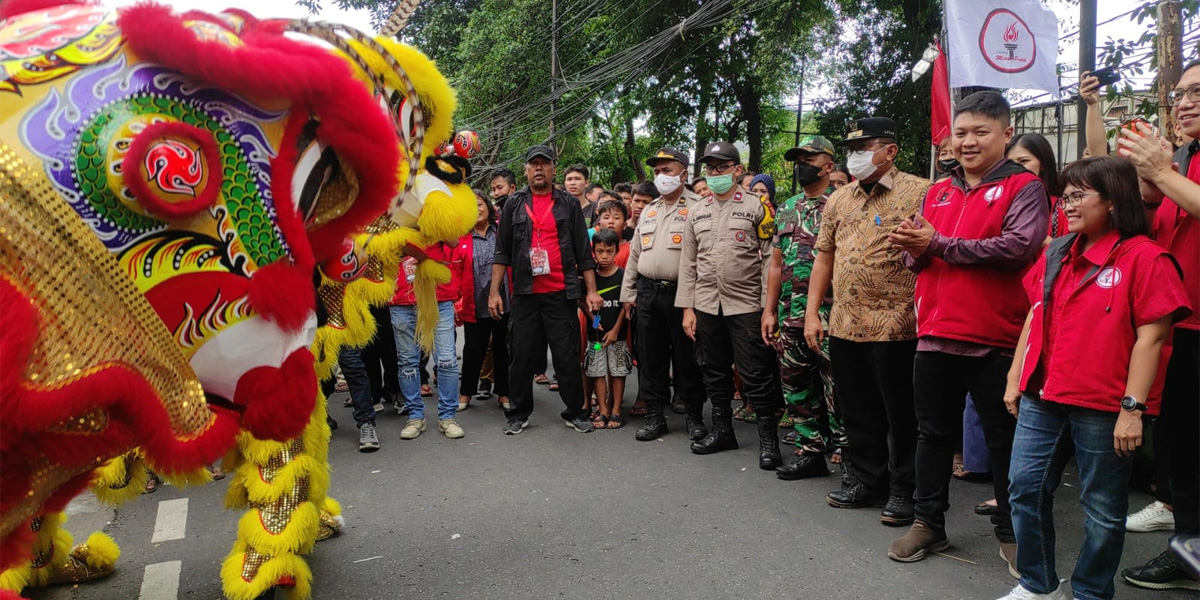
{"x": 283, "y": 294}
{"x": 279, "y": 401}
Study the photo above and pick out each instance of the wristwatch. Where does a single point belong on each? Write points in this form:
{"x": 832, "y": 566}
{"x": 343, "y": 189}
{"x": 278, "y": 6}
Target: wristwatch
{"x": 1131, "y": 404}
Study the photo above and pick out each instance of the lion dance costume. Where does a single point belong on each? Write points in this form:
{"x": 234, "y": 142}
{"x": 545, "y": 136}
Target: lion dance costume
{"x": 167, "y": 225}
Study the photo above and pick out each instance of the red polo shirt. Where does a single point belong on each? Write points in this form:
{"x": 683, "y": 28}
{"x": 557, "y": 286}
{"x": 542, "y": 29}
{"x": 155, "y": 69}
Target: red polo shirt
{"x": 545, "y": 236}
{"x": 1178, "y": 232}
{"x": 1079, "y": 347}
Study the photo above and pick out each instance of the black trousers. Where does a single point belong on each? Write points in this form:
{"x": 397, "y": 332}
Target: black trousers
{"x": 385, "y": 379}
{"x": 538, "y": 319}
{"x": 475, "y": 345}
{"x": 723, "y": 341}
{"x": 1180, "y": 414}
{"x": 941, "y": 382}
{"x": 874, "y": 383}
{"x": 662, "y": 346}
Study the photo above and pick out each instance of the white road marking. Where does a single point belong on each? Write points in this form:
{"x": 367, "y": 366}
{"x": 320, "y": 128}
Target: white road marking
{"x": 362, "y": 560}
{"x": 171, "y": 523}
{"x": 161, "y": 581}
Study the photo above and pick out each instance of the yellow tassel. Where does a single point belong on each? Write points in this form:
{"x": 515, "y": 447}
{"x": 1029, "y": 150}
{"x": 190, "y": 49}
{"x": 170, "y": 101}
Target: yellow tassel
{"x": 447, "y": 218}
{"x": 269, "y": 573}
{"x": 332, "y": 507}
{"x": 103, "y": 551}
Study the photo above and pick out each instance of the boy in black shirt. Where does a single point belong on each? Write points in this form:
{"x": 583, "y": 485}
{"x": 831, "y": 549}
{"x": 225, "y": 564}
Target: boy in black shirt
{"x": 607, "y": 353}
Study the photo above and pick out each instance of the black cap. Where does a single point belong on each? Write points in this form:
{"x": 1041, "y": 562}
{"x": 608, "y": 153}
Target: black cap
{"x": 721, "y": 151}
{"x": 667, "y": 154}
{"x": 870, "y": 127}
{"x": 541, "y": 150}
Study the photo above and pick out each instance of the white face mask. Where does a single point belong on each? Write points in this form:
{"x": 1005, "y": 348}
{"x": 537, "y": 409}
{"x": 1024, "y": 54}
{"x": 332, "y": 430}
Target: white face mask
{"x": 861, "y": 164}
{"x": 667, "y": 184}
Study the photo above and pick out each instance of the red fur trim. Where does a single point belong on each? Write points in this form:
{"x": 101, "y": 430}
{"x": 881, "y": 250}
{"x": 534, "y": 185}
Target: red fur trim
{"x": 135, "y": 160}
{"x": 283, "y": 294}
{"x": 314, "y": 79}
{"x": 279, "y": 401}
{"x": 9, "y": 8}
{"x": 15, "y": 550}
{"x": 283, "y": 166}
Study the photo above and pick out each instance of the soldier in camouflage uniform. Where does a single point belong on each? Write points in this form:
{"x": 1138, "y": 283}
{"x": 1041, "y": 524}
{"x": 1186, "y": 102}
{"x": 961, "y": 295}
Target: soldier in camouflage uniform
{"x": 806, "y": 375}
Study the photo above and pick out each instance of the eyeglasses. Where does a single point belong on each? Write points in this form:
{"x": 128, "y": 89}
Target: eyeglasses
{"x": 1075, "y": 198}
{"x": 1174, "y": 97}
{"x": 719, "y": 169}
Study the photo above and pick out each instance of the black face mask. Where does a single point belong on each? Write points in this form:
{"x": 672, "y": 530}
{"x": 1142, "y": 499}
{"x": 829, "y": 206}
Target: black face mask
{"x": 945, "y": 166}
{"x": 807, "y": 174}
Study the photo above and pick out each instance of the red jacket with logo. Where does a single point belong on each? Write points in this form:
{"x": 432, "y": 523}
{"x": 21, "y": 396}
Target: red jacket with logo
{"x": 1087, "y": 307}
{"x": 981, "y": 304}
{"x": 447, "y": 254}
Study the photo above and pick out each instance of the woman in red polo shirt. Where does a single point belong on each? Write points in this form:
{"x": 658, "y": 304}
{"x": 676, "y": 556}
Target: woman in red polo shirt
{"x": 1089, "y": 362}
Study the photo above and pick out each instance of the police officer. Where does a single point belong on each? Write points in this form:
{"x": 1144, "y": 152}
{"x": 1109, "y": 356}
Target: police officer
{"x": 650, "y": 282}
{"x": 726, "y": 243}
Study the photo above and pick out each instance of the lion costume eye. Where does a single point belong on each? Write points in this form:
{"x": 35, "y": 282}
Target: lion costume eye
{"x": 317, "y": 164}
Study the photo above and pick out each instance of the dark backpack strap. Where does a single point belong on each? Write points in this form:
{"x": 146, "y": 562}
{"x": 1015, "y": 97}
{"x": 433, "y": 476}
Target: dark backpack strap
{"x": 1054, "y": 253}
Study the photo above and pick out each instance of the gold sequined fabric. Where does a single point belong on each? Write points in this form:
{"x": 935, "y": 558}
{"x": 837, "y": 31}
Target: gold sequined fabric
{"x": 288, "y": 454}
{"x": 92, "y": 318}
{"x": 251, "y": 562}
{"x": 332, "y": 295}
{"x": 337, "y": 195}
{"x": 276, "y": 515}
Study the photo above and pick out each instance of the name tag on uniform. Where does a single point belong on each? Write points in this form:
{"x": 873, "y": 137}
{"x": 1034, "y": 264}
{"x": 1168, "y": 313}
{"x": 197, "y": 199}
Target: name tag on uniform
{"x": 539, "y": 260}
{"x": 410, "y": 268}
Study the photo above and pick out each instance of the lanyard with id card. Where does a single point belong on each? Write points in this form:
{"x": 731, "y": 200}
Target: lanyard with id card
{"x": 539, "y": 259}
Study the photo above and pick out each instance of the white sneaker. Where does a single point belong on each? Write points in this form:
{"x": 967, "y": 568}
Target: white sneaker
{"x": 1020, "y": 593}
{"x": 1155, "y": 517}
{"x": 412, "y": 429}
{"x": 451, "y": 429}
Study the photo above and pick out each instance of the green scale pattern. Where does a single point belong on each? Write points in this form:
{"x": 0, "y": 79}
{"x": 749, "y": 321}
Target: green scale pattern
{"x": 238, "y": 189}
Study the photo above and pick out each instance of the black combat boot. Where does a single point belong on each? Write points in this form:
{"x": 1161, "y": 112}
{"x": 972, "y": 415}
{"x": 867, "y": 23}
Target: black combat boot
{"x": 695, "y": 427}
{"x": 721, "y": 437}
{"x": 769, "y": 457}
{"x": 656, "y": 423}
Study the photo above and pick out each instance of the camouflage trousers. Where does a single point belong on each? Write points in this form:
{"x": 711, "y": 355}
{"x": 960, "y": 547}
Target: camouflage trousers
{"x": 807, "y": 383}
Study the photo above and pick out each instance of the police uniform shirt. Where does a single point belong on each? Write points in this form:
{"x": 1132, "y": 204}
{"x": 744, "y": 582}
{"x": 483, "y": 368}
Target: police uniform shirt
{"x": 657, "y": 243}
{"x": 725, "y": 249}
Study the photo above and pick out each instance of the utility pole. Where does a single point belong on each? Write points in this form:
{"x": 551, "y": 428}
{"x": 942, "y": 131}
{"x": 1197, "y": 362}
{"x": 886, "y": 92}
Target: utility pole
{"x": 799, "y": 118}
{"x": 1170, "y": 58}
{"x": 1087, "y": 62}
{"x": 553, "y": 69}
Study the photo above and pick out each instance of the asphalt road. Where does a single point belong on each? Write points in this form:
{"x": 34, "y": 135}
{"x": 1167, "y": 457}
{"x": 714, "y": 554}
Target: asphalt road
{"x": 553, "y": 513}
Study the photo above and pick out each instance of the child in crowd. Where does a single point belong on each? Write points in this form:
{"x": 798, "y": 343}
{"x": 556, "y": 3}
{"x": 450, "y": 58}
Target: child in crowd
{"x": 608, "y": 359}
{"x": 613, "y": 215}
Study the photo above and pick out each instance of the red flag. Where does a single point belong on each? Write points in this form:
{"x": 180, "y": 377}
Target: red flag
{"x": 940, "y": 94}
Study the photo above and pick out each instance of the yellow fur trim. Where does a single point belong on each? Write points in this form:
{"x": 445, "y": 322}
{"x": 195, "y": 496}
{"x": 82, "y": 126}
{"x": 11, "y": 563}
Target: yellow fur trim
{"x": 16, "y": 578}
{"x": 237, "y": 588}
{"x": 260, "y": 492}
{"x": 437, "y": 97}
{"x": 297, "y": 537}
{"x": 103, "y": 551}
{"x": 185, "y": 479}
{"x": 332, "y": 507}
{"x": 52, "y": 534}
{"x": 447, "y": 218}
{"x": 108, "y": 480}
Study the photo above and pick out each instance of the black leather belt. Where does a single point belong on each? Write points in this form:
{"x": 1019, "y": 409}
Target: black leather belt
{"x": 662, "y": 284}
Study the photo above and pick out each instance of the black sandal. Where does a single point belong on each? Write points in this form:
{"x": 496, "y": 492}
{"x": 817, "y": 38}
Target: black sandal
{"x": 615, "y": 422}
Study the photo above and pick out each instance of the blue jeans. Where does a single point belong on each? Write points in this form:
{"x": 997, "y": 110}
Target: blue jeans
{"x": 408, "y": 355}
{"x": 1047, "y": 434}
{"x": 359, "y": 383}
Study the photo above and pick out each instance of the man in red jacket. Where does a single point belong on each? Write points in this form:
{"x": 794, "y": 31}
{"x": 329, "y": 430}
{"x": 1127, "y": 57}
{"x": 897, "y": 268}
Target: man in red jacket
{"x": 978, "y": 233}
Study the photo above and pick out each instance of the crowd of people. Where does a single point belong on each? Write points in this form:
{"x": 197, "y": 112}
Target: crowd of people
{"x": 1003, "y": 318}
